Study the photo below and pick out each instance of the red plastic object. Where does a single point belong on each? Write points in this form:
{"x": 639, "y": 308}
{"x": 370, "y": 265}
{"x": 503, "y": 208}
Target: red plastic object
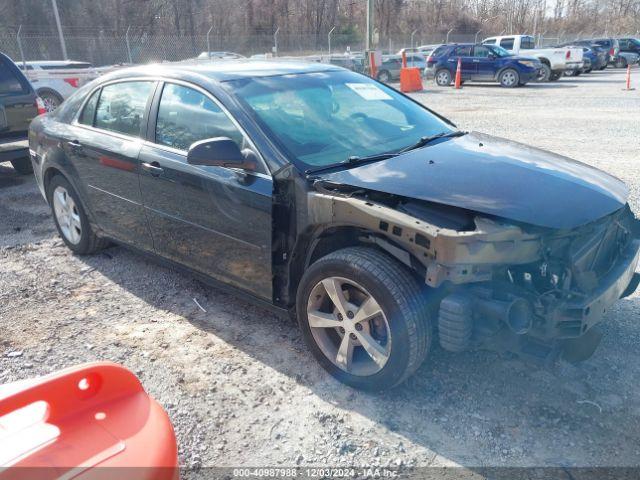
{"x": 84, "y": 422}
{"x": 410, "y": 80}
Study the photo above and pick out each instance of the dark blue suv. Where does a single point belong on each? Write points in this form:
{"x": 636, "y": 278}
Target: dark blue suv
{"x": 485, "y": 63}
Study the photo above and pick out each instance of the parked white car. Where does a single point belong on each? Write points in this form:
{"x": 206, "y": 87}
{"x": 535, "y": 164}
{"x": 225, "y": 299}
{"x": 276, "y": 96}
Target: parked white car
{"x": 555, "y": 61}
{"x": 55, "y": 80}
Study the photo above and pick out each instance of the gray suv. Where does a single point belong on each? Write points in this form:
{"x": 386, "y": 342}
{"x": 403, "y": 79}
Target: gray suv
{"x": 18, "y": 106}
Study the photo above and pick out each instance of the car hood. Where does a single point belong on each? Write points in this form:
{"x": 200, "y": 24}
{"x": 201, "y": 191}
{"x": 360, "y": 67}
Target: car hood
{"x": 497, "y": 177}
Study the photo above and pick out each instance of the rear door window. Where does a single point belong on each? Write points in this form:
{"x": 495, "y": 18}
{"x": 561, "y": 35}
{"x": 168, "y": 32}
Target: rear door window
{"x": 10, "y": 83}
{"x": 527, "y": 43}
{"x": 507, "y": 43}
{"x": 122, "y": 107}
{"x": 463, "y": 51}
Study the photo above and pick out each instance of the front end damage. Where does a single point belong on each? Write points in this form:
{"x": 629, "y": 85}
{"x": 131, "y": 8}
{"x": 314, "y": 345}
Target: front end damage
{"x": 534, "y": 291}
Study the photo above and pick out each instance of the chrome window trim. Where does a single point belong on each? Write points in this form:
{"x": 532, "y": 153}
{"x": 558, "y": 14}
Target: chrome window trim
{"x": 148, "y": 143}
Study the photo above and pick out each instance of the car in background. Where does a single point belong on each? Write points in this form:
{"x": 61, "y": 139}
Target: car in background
{"x": 554, "y": 60}
{"x": 629, "y": 45}
{"x": 351, "y": 62}
{"x": 611, "y": 44}
{"x": 19, "y": 104}
{"x": 623, "y": 59}
{"x": 602, "y": 53}
{"x": 427, "y": 50}
{"x": 55, "y": 80}
{"x": 590, "y": 58}
{"x": 482, "y": 63}
{"x": 219, "y": 56}
{"x": 389, "y": 69}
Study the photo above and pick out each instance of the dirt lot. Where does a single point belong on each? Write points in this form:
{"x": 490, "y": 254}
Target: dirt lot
{"x": 240, "y": 386}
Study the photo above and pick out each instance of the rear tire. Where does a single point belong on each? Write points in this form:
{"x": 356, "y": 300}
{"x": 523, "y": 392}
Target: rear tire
{"x": 384, "y": 76}
{"x": 71, "y": 219}
{"x": 51, "y": 99}
{"x": 22, "y": 165}
{"x": 443, "y": 77}
{"x": 402, "y": 306}
{"x": 555, "y": 76}
{"x": 545, "y": 73}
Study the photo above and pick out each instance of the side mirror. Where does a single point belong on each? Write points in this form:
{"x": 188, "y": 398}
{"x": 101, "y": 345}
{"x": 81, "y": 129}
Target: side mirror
{"x": 491, "y": 56}
{"x": 219, "y": 152}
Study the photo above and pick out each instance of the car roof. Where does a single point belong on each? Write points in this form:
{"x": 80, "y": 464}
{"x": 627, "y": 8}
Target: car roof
{"x": 224, "y": 70}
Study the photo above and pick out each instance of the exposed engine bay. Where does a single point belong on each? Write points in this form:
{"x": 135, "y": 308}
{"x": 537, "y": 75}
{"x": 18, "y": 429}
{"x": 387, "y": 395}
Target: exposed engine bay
{"x": 499, "y": 284}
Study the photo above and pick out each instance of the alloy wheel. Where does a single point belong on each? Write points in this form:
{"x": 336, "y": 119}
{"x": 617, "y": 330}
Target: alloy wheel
{"x": 509, "y": 79}
{"x": 67, "y": 215}
{"x": 349, "y": 326}
{"x": 443, "y": 78}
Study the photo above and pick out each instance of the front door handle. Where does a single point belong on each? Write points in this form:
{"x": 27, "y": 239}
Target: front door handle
{"x": 75, "y": 144}
{"x": 153, "y": 168}
{"x": 476, "y": 61}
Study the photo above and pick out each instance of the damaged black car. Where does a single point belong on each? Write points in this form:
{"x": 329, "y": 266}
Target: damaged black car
{"x": 324, "y": 194}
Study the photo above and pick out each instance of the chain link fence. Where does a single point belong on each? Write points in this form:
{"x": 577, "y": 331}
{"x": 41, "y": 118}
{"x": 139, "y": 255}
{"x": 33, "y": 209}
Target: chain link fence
{"x": 102, "y": 49}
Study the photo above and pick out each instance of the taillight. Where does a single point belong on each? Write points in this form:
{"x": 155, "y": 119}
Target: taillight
{"x": 612, "y": 52}
{"x": 568, "y": 55}
{"x": 430, "y": 59}
{"x": 40, "y": 106}
{"x": 74, "y": 82}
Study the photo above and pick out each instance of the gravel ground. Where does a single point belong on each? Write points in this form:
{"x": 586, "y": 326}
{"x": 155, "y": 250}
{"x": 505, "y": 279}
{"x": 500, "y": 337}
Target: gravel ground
{"x": 240, "y": 386}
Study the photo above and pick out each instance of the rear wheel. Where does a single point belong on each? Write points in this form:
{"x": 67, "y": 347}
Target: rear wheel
{"x": 620, "y": 62}
{"x": 545, "y": 73}
{"x": 70, "y": 218}
{"x": 22, "y": 165}
{"x": 364, "y": 317}
{"x": 443, "y": 77}
{"x": 384, "y": 76}
{"x": 509, "y": 78}
{"x": 51, "y": 99}
{"x": 555, "y": 76}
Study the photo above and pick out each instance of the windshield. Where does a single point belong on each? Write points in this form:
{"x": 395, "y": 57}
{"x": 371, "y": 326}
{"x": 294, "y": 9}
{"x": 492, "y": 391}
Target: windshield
{"x": 635, "y": 41}
{"x": 499, "y": 51}
{"x": 324, "y": 118}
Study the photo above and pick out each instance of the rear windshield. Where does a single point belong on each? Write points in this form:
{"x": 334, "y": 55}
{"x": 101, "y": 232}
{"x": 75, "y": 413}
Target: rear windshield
{"x": 527, "y": 43}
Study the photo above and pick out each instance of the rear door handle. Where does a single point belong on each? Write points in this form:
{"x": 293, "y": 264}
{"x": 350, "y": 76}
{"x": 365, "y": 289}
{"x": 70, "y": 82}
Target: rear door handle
{"x": 476, "y": 61}
{"x": 153, "y": 168}
{"x": 75, "y": 144}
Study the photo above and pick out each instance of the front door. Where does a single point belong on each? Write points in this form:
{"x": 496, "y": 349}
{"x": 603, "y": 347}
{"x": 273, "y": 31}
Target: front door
{"x": 104, "y": 146}
{"x": 485, "y": 63}
{"x": 215, "y": 220}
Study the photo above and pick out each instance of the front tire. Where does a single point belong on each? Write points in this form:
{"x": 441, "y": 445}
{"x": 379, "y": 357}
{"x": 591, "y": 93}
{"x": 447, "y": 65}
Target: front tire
{"x": 364, "y": 317}
{"x": 509, "y": 78}
{"x": 70, "y": 218}
{"x": 22, "y": 165}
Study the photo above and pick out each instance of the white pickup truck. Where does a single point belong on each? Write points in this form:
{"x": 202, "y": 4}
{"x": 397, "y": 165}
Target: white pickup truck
{"x": 555, "y": 61}
{"x": 55, "y": 80}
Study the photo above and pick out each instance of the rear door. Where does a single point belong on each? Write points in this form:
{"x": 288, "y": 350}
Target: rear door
{"x": 215, "y": 220}
{"x": 463, "y": 53}
{"x": 104, "y": 144}
{"x": 17, "y": 102}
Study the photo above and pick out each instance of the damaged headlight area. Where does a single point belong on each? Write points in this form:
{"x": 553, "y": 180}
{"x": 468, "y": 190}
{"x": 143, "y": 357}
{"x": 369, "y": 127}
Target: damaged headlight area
{"x": 500, "y": 285}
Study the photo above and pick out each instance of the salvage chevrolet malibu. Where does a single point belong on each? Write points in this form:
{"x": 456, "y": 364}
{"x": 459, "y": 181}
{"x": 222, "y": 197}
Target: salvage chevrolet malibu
{"x": 323, "y": 193}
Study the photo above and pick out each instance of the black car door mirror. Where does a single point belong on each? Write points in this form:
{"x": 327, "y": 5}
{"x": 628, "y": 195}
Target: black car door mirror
{"x": 491, "y": 56}
{"x": 219, "y": 152}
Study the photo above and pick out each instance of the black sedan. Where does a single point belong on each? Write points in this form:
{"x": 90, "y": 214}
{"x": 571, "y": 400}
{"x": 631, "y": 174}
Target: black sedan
{"x": 322, "y": 193}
